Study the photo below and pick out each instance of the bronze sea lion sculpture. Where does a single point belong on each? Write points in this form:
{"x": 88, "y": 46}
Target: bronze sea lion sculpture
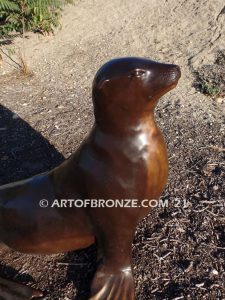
{"x": 124, "y": 157}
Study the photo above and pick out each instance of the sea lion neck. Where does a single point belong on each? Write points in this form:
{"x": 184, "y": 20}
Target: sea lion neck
{"x": 122, "y": 128}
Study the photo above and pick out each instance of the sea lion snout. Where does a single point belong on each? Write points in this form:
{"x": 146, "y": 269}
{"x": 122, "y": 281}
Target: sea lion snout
{"x": 166, "y": 78}
{"x": 171, "y": 75}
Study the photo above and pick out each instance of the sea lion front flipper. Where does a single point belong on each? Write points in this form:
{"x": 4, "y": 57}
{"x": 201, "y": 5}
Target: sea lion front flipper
{"x": 116, "y": 286}
{"x": 10, "y": 290}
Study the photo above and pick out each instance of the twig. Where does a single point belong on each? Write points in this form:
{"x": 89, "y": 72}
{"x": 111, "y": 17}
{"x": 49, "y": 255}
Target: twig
{"x": 70, "y": 264}
{"x": 11, "y": 58}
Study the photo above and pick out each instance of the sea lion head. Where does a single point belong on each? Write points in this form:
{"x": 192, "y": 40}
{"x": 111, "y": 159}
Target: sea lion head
{"x": 129, "y": 88}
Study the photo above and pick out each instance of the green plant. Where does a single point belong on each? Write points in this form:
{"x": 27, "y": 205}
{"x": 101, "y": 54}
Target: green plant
{"x": 30, "y": 15}
{"x": 210, "y": 90}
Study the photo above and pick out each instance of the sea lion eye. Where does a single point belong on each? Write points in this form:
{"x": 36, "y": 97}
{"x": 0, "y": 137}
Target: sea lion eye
{"x": 137, "y": 73}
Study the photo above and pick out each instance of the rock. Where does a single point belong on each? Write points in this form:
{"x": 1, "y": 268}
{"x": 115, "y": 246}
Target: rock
{"x": 219, "y": 100}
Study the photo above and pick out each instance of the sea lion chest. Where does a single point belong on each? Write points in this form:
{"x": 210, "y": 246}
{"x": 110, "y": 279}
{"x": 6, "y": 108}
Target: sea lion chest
{"x": 129, "y": 167}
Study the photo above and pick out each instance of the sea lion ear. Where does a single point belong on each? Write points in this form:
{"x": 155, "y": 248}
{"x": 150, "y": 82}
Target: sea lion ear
{"x": 103, "y": 82}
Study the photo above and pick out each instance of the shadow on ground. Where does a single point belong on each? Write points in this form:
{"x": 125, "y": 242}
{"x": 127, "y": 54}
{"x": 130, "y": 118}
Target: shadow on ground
{"x": 81, "y": 268}
{"x": 24, "y": 152}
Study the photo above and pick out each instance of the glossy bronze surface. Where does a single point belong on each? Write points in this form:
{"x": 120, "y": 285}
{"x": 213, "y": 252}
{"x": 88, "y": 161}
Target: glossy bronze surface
{"x": 124, "y": 157}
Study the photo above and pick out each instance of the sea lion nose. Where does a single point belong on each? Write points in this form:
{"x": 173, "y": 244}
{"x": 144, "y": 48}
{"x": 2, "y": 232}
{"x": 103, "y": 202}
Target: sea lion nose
{"x": 174, "y": 71}
{"x": 177, "y": 71}
{"x": 171, "y": 73}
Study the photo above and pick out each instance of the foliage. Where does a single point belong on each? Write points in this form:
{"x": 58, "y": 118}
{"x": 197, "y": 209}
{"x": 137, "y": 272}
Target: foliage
{"x": 210, "y": 90}
{"x": 30, "y": 15}
{"x": 210, "y": 77}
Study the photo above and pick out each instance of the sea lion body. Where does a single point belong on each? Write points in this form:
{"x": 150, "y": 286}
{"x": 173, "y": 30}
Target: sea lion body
{"x": 124, "y": 157}
{"x": 29, "y": 228}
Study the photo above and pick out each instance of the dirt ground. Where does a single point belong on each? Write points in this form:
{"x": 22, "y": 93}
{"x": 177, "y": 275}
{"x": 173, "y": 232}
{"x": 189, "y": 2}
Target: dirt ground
{"x": 179, "y": 250}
